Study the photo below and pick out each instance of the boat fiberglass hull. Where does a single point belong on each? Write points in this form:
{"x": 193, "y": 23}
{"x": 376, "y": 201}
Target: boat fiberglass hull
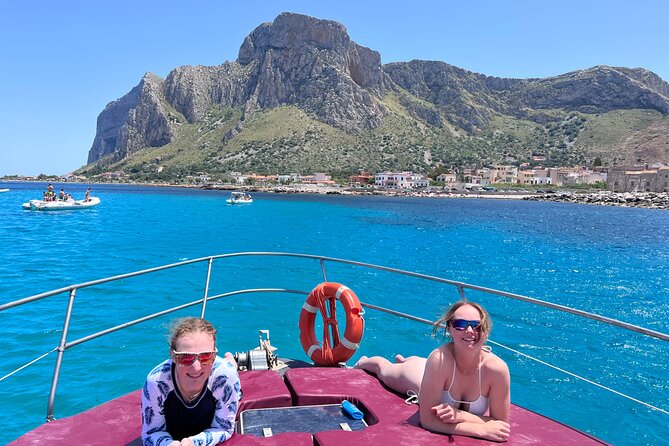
{"x": 389, "y": 419}
{"x": 40, "y": 205}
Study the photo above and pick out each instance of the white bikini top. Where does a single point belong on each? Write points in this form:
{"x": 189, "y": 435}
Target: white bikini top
{"x": 478, "y": 407}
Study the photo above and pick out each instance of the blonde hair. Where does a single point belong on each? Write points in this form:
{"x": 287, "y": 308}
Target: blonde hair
{"x": 190, "y": 325}
{"x": 442, "y": 322}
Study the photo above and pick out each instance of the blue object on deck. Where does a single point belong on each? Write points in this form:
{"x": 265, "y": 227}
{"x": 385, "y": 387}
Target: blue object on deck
{"x": 351, "y": 410}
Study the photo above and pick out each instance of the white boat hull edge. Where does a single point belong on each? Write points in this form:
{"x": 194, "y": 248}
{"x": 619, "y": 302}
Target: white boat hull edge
{"x": 40, "y": 205}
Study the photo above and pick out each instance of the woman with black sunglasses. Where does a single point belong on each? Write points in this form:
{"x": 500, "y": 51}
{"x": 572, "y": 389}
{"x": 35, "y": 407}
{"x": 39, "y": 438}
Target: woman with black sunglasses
{"x": 463, "y": 387}
{"x": 192, "y": 397}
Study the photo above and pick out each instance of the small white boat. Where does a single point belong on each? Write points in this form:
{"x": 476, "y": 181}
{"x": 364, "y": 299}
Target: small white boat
{"x": 60, "y": 205}
{"x": 239, "y": 198}
{"x": 4, "y": 190}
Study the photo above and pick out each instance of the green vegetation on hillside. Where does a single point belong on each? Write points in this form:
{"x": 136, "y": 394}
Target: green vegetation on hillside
{"x": 415, "y": 135}
{"x": 608, "y": 135}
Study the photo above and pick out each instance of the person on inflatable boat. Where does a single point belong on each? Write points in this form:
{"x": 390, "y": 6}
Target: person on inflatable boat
{"x": 462, "y": 387}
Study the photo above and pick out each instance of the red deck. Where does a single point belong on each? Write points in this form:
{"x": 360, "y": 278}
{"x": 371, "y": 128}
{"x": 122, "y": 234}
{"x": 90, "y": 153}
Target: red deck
{"x": 391, "y": 421}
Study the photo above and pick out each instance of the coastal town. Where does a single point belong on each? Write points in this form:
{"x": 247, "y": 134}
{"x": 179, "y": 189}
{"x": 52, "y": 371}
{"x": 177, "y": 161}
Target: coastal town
{"x": 638, "y": 186}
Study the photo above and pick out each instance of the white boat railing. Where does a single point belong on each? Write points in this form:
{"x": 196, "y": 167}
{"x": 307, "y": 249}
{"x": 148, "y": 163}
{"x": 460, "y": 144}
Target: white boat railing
{"x": 64, "y": 345}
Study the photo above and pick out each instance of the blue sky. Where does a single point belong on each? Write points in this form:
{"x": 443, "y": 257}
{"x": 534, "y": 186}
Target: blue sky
{"x": 63, "y": 61}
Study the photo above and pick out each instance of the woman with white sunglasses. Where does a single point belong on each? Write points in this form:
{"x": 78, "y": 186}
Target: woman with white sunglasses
{"x": 463, "y": 387}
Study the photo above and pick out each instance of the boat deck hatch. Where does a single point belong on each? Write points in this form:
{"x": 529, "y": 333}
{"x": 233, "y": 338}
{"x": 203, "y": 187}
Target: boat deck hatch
{"x": 311, "y": 419}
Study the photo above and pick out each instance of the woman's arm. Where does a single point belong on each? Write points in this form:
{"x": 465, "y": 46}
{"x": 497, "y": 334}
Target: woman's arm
{"x": 153, "y": 399}
{"x": 226, "y": 389}
{"x": 450, "y": 414}
{"x": 499, "y": 398}
{"x": 431, "y": 408}
{"x": 432, "y": 388}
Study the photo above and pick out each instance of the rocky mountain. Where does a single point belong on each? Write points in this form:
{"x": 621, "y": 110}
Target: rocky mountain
{"x": 303, "y": 95}
{"x": 471, "y": 100}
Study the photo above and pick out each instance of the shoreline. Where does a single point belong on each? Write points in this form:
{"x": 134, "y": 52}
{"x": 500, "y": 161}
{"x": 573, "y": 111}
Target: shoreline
{"x": 647, "y": 200}
{"x": 330, "y": 190}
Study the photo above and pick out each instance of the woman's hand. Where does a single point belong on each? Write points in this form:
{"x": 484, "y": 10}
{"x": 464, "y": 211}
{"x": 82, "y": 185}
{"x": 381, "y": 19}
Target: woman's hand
{"x": 185, "y": 442}
{"x": 496, "y": 430}
{"x": 447, "y": 414}
{"x": 230, "y": 357}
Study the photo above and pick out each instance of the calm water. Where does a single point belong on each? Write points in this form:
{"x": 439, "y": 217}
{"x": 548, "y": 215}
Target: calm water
{"x": 612, "y": 261}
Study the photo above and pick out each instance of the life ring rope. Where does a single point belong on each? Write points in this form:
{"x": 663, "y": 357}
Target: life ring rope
{"x": 322, "y": 299}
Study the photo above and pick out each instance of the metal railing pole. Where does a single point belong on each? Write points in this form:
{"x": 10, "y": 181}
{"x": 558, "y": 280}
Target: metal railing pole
{"x": 59, "y": 358}
{"x": 325, "y": 276}
{"x": 206, "y": 287}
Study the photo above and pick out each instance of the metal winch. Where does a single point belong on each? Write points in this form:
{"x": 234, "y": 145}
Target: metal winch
{"x": 261, "y": 357}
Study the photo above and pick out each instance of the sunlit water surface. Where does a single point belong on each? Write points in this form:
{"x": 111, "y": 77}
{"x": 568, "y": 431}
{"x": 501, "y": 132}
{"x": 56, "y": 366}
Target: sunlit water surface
{"x": 607, "y": 260}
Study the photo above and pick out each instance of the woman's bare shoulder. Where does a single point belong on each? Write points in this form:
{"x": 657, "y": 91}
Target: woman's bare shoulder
{"x": 496, "y": 364}
{"x": 441, "y": 355}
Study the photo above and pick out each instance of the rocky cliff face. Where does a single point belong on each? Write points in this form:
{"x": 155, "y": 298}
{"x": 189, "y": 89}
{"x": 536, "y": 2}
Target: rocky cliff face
{"x": 193, "y": 90}
{"x": 312, "y": 64}
{"x": 296, "y": 60}
{"x": 470, "y": 100}
{"x": 597, "y": 90}
{"x": 465, "y": 98}
{"x": 137, "y": 120}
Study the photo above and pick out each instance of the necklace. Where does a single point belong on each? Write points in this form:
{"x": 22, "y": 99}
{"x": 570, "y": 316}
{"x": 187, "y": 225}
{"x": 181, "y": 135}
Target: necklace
{"x": 192, "y": 398}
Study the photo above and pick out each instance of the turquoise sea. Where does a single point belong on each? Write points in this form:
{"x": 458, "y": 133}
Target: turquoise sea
{"x": 608, "y": 260}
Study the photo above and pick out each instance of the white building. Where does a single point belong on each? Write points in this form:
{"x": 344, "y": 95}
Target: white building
{"x": 420, "y": 181}
{"x": 576, "y": 175}
{"x": 400, "y": 180}
{"x": 238, "y": 177}
{"x": 284, "y": 179}
{"x": 534, "y": 176}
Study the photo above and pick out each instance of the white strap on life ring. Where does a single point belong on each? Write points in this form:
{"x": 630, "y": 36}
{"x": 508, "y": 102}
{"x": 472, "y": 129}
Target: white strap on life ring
{"x": 348, "y": 344}
{"x": 309, "y": 308}
{"x": 312, "y": 349}
{"x": 340, "y": 291}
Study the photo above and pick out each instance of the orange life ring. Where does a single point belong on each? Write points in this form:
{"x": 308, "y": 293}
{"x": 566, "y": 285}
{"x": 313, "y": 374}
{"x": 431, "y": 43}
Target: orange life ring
{"x": 343, "y": 348}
